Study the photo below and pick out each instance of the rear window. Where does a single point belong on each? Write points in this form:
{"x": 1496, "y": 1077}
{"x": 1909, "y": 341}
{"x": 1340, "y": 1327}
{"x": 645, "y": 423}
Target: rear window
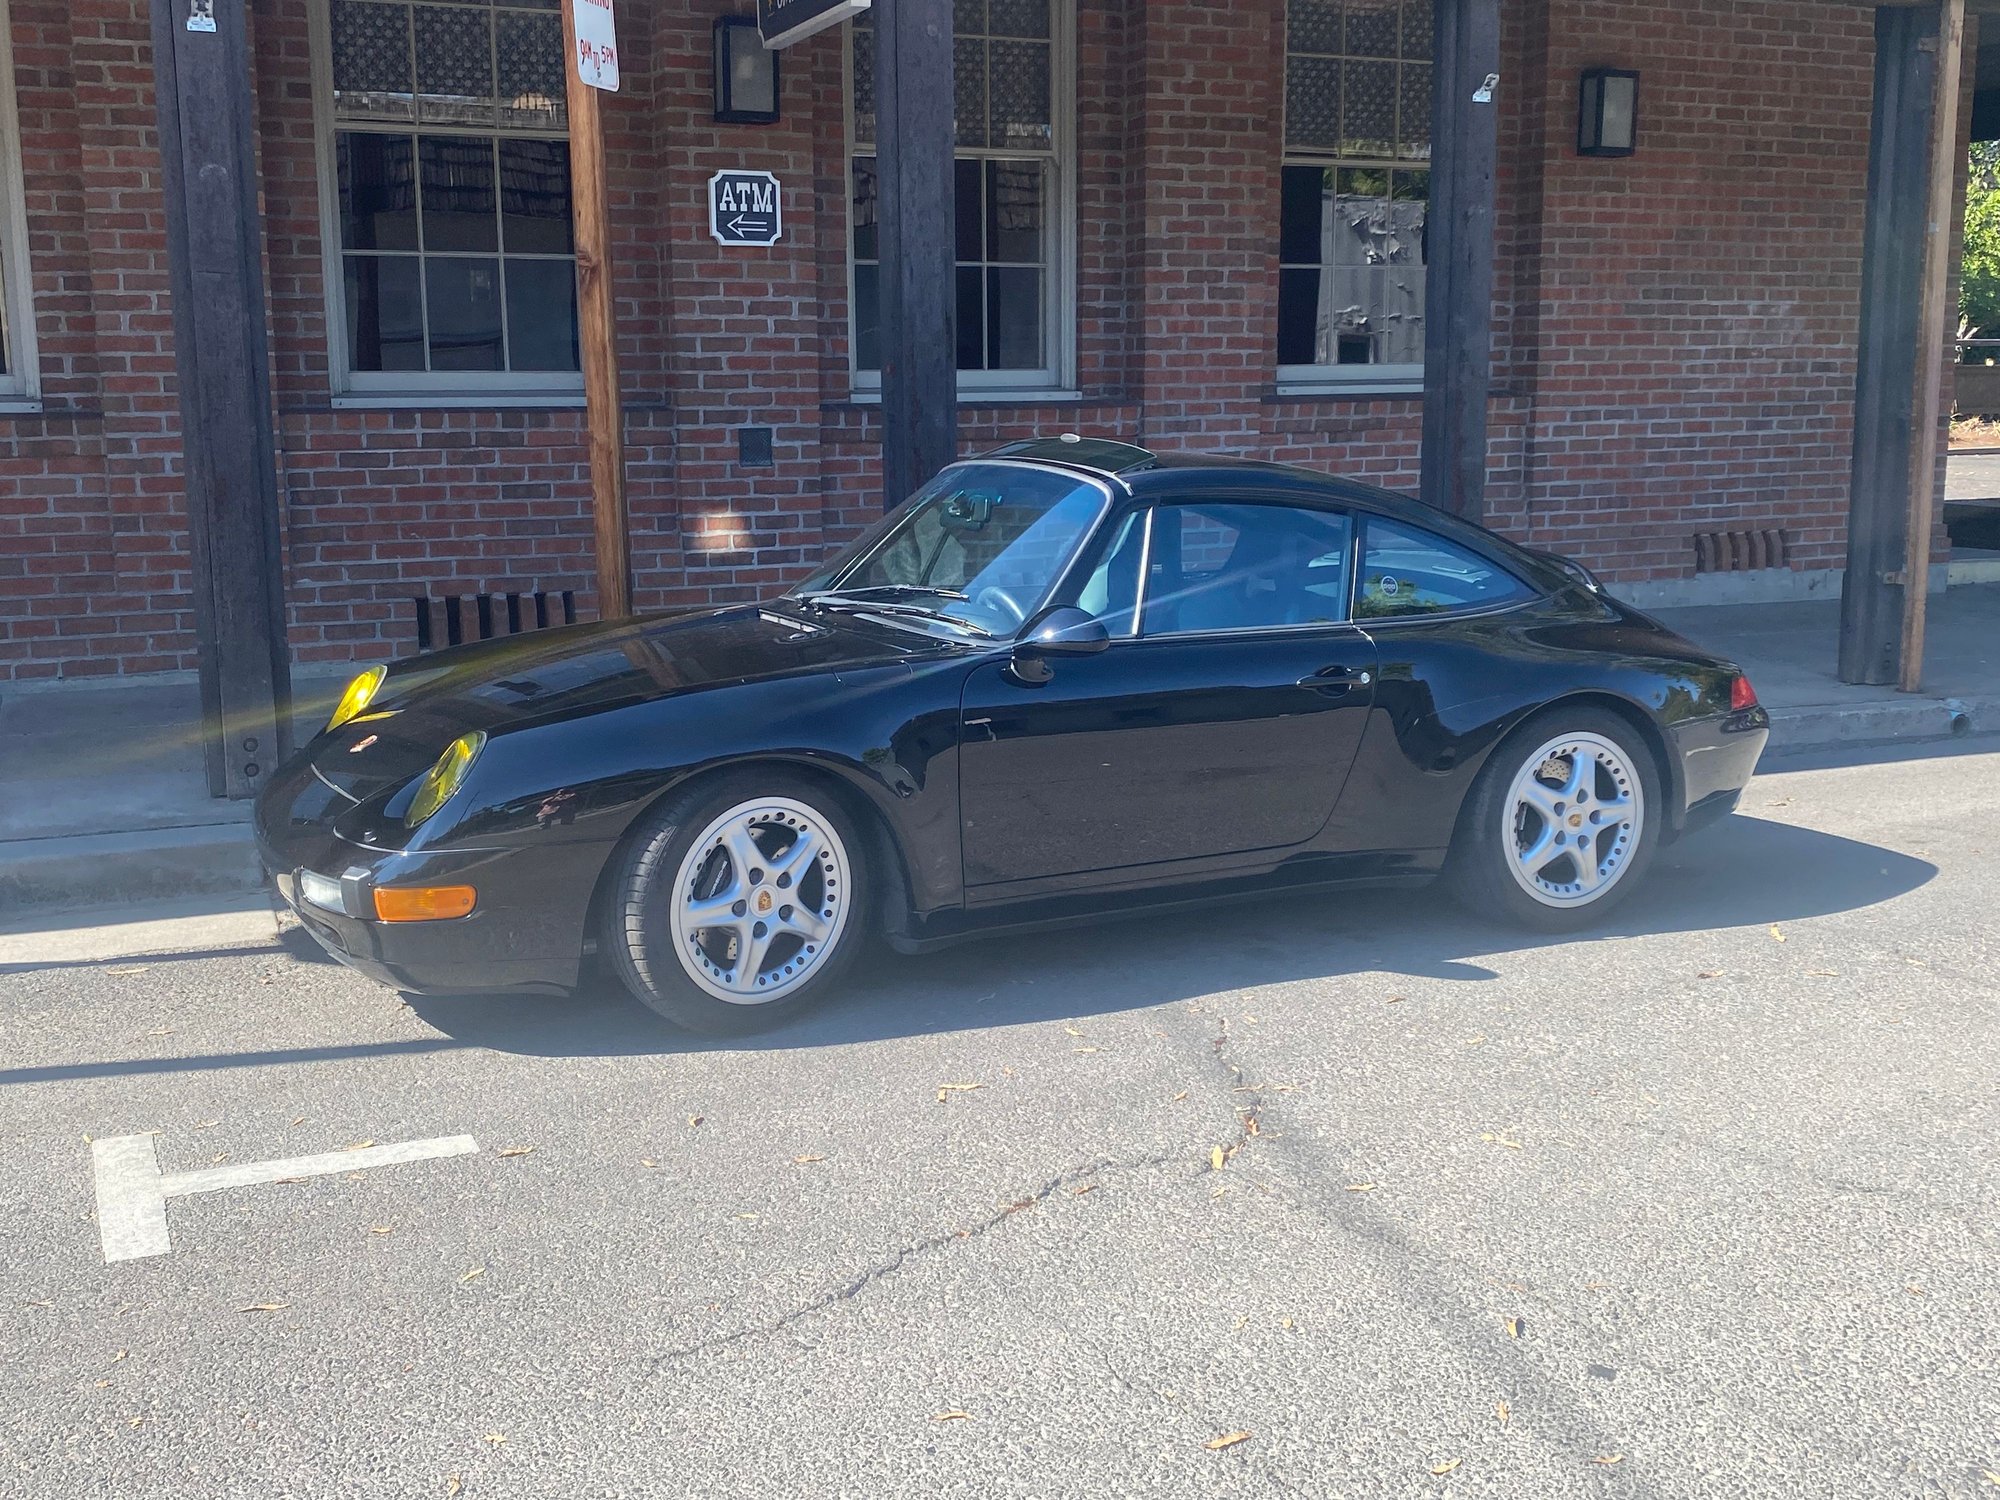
{"x": 1405, "y": 571}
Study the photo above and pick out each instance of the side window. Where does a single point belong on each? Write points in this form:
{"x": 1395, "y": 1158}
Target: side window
{"x": 1245, "y": 567}
{"x": 1405, "y": 571}
{"x": 1111, "y": 592}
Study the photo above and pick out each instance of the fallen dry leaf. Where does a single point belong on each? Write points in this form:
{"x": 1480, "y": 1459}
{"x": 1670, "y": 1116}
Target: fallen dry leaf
{"x": 1227, "y": 1440}
{"x": 1990, "y": 1476}
{"x": 381, "y": 1228}
{"x": 453, "y": 1484}
{"x": 954, "y": 1415}
{"x": 496, "y": 1438}
{"x": 1447, "y": 1466}
{"x": 124, "y": 969}
{"x": 1502, "y": 1411}
{"x": 98, "y": 1385}
{"x": 515, "y": 1151}
{"x": 1177, "y": 1099}
{"x": 300, "y": 1120}
{"x": 121, "y": 1354}
{"x": 1395, "y": 1000}
{"x": 265, "y": 1307}
{"x": 1513, "y": 1327}
{"x": 204, "y": 1124}
{"x": 359, "y": 1145}
{"x": 1078, "y": 1192}
{"x": 1361, "y": 1187}
{"x": 1709, "y": 974}
{"x": 1776, "y": 936}
{"x": 946, "y": 1090}
{"x": 647, "y": 1161}
{"x": 1608, "y": 1459}
{"x": 133, "y": 1421}
{"x": 1072, "y": 1031}
{"x": 1500, "y": 1140}
{"x": 1914, "y": 1290}
{"x": 1823, "y": 973}
{"x": 694, "y": 1120}
{"x": 1083, "y": 1049}
{"x": 475, "y": 1272}
{"x": 806, "y": 1161}
{"x": 1215, "y": 1158}
{"x": 1284, "y": 1322}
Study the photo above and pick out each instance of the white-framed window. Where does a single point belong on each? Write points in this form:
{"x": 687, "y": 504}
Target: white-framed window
{"x": 1014, "y": 219}
{"x": 445, "y": 199}
{"x": 20, "y": 372}
{"x": 1355, "y": 194}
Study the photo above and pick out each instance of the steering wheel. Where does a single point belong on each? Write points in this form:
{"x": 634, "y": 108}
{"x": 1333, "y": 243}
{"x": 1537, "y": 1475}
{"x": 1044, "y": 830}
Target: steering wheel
{"x": 997, "y": 599}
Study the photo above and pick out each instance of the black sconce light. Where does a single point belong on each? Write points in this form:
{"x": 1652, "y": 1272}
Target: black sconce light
{"x": 746, "y": 74}
{"x": 1607, "y": 114}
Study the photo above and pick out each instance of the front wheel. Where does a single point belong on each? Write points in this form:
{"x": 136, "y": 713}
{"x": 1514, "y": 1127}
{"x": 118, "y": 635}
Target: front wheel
{"x": 740, "y": 902}
{"x": 1562, "y": 824}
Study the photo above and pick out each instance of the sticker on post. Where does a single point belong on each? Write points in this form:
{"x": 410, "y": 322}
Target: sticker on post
{"x": 201, "y": 15}
{"x": 1484, "y": 93}
{"x": 745, "y": 208}
{"x": 596, "y": 43}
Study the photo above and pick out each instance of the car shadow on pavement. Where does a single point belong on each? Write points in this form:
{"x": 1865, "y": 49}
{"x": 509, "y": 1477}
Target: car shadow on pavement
{"x": 1746, "y": 872}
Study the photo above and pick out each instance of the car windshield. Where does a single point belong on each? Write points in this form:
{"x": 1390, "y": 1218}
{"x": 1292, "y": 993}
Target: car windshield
{"x": 981, "y": 545}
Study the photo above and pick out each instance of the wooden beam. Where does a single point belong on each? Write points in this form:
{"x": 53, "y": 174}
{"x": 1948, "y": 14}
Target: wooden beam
{"x": 1931, "y": 317}
{"x": 223, "y": 381}
{"x": 1458, "y": 316}
{"x": 597, "y": 339}
{"x": 1889, "y": 446}
{"x": 918, "y": 289}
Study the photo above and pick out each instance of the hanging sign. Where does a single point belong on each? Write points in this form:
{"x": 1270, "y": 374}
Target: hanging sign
{"x": 743, "y": 208}
{"x": 782, "y": 22}
{"x": 596, "y": 43}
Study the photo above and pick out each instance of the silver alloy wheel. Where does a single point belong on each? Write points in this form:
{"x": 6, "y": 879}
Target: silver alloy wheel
{"x": 1574, "y": 817}
{"x": 760, "y": 900}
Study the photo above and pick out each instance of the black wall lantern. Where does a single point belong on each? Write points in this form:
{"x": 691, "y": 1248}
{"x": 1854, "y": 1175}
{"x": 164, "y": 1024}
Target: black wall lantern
{"x": 1607, "y": 114}
{"x": 746, "y": 74}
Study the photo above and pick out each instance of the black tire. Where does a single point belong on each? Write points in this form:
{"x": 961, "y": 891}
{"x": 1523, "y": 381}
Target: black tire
{"x": 639, "y": 940}
{"x": 1481, "y": 869}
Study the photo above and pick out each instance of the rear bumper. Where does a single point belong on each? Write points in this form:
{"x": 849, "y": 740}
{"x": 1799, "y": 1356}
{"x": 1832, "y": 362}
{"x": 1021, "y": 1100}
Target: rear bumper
{"x": 524, "y": 934}
{"x": 1717, "y": 756}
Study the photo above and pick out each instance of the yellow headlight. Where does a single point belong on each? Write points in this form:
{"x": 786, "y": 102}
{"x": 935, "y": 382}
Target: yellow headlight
{"x": 360, "y": 693}
{"x": 444, "y": 778}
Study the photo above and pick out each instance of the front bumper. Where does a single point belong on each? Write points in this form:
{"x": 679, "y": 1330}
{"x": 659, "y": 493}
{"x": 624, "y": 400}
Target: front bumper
{"x": 525, "y": 934}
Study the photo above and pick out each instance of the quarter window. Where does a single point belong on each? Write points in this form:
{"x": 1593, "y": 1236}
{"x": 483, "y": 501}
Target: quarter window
{"x": 1009, "y": 211}
{"x": 451, "y": 195}
{"x": 1355, "y": 192}
{"x": 1245, "y": 567}
{"x": 1406, "y": 572}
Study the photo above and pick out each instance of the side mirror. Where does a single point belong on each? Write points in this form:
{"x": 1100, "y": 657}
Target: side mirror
{"x": 1063, "y": 630}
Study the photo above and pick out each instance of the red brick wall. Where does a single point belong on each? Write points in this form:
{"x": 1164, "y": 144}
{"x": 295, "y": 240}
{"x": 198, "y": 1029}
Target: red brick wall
{"x": 1674, "y": 332}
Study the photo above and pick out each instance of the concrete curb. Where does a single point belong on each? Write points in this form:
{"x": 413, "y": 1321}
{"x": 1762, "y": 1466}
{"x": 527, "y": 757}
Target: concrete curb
{"x": 95, "y": 869}
{"x": 1912, "y": 719}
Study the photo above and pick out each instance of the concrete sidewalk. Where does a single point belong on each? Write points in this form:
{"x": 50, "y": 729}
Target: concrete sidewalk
{"x": 106, "y": 801}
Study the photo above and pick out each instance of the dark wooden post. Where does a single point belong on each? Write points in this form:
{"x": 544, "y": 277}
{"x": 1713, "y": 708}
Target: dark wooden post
{"x": 222, "y": 371}
{"x": 1458, "y": 303}
{"x": 914, "y": 139}
{"x": 1901, "y": 355}
{"x": 597, "y": 337}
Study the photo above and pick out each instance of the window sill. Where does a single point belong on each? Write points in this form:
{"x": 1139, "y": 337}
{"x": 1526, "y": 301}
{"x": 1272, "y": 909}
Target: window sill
{"x": 458, "y": 400}
{"x": 20, "y": 406}
{"x": 1373, "y": 390}
{"x": 980, "y": 398}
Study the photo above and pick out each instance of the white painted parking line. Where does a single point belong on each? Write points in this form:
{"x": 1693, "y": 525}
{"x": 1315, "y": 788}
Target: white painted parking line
{"x": 132, "y": 1192}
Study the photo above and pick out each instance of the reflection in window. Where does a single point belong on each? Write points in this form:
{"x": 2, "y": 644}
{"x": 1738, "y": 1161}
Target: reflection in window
{"x": 1245, "y": 567}
{"x": 1355, "y": 185}
{"x": 453, "y": 186}
{"x": 1405, "y": 571}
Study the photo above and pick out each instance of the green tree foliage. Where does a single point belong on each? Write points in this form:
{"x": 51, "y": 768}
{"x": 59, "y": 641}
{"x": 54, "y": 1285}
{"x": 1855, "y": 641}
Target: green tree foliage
{"x": 1979, "y": 281}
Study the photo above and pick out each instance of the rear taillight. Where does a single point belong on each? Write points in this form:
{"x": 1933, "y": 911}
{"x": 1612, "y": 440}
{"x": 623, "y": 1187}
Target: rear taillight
{"x": 1741, "y": 695}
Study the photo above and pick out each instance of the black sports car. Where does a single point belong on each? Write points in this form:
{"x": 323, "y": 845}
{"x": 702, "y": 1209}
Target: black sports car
{"x": 1066, "y": 678}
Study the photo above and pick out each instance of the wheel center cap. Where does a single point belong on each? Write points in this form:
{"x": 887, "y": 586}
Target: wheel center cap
{"x": 1576, "y": 820}
{"x": 763, "y": 903}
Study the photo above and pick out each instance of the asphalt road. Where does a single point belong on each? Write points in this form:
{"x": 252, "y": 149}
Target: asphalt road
{"x": 1708, "y": 1205}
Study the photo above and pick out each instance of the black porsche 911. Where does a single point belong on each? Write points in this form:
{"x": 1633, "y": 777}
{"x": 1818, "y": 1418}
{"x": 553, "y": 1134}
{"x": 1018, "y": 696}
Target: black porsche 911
{"x": 1067, "y": 678}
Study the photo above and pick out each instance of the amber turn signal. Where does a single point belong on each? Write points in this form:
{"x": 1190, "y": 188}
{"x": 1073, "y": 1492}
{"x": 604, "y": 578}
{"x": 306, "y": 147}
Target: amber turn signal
{"x": 423, "y": 903}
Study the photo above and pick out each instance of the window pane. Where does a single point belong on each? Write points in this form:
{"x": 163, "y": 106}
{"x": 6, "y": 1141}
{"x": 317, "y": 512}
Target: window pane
{"x": 378, "y": 191}
{"x": 1302, "y": 209}
{"x": 1019, "y": 18}
{"x": 385, "y": 313}
{"x": 534, "y": 197}
{"x": 1312, "y": 102}
{"x": 464, "y": 308}
{"x": 968, "y": 17}
{"x": 867, "y": 243}
{"x": 971, "y": 318}
{"x": 967, "y": 207}
{"x": 1368, "y": 108}
{"x": 1298, "y": 317}
{"x": 1248, "y": 567}
{"x": 532, "y": 88}
{"x": 371, "y": 59}
{"x": 459, "y": 199}
{"x": 1020, "y": 95}
{"x": 1016, "y": 209}
{"x": 1413, "y": 114}
{"x": 455, "y": 64}
{"x": 968, "y": 69}
{"x": 541, "y": 315}
{"x": 1013, "y": 319}
{"x": 1312, "y": 26}
{"x": 1371, "y": 27}
{"x": 861, "y": 54}
{"x": 1405, "y": 571}
{"x": 867, "y": 319}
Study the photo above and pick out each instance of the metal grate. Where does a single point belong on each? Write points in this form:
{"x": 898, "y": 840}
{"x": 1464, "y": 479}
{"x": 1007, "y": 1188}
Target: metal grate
{"x": 482, "y": 617}
{"x": 1738, "y": 551}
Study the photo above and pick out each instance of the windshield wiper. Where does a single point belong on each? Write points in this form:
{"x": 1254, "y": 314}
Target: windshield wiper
{"x": 856, "y": 602}
{"x": 889, "y": 591}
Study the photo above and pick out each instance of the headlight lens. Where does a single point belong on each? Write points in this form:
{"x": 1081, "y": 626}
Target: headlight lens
{"x": 360, "y": 693}
{"x": 444, "y": 778}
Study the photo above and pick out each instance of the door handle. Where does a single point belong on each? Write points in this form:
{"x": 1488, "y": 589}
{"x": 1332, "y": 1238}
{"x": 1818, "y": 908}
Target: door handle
{"x": 1337, "y": 679}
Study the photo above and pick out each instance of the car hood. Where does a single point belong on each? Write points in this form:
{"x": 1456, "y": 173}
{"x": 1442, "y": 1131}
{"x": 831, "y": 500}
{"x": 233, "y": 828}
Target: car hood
{"x": 579, "y": 670}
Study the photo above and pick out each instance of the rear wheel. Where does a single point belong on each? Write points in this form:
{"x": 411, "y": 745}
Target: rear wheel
{"x": 740, "y": 903}
{"x": 1562, "y": 824}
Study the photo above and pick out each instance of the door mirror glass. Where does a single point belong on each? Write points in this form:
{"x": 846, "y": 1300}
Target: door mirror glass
{"x": 1063, "y": 630}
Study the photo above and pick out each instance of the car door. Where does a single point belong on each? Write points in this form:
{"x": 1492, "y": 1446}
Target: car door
{"x": 1219, "y": 725}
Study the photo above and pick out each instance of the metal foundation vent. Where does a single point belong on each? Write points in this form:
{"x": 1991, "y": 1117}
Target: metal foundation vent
{"x": 481, "y": 617}
{"x": 1738, "y": 551}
